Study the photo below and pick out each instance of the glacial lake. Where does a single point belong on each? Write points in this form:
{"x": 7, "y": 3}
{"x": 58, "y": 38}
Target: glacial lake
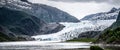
{"x": 47, "y": 45}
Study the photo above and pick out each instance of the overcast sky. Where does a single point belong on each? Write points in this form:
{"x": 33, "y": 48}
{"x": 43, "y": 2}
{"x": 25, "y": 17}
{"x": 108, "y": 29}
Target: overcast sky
{"x": 81, "y": 8}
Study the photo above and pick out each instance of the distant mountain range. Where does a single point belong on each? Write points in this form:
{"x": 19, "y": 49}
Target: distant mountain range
{"x": 47, "y": 13}
{"x": 112, "y": 14}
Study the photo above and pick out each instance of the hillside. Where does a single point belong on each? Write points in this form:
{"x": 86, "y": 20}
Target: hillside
{"x": 111, "y": 34}
{"x": 47, "y": 13}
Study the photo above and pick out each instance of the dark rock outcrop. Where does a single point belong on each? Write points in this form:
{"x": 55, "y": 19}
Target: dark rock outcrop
{"x": 20, "y": 22}
{"x": 90, "y": 34}
{"x": 116, "y": 24}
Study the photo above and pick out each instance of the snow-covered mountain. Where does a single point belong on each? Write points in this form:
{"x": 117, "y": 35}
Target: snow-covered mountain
{"x": 112, "y": 14}
{"x": 44, "y": 12}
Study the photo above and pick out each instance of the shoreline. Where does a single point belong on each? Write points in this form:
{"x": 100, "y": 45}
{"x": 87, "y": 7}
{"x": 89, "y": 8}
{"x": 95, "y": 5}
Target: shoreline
{"x": 53, "y": 45}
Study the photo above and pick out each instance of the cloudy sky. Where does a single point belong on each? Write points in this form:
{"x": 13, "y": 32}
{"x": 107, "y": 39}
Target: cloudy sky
{"x": 81, "y": 8}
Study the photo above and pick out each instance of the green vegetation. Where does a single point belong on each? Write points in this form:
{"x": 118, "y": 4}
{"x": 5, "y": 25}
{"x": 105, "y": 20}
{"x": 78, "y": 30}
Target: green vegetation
{"x": 82, "y": 40}
{"x": 5, "y": 38}
{"x": 107, "y": 49}
{"x": 96, "y": 48}
{"x": 111, "y": 36}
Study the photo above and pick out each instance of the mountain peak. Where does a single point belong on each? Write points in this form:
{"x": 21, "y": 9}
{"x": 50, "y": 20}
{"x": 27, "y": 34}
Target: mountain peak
{"x": 113, "y": 10}
{"x": 24, "y": 0}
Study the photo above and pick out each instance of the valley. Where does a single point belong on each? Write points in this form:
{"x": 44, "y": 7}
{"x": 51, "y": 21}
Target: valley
{"x": 25, "y": 25}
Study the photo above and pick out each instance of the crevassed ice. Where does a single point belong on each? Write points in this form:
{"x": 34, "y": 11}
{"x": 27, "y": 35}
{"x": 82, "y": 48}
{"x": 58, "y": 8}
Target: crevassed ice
{"x": 72, "y": 30}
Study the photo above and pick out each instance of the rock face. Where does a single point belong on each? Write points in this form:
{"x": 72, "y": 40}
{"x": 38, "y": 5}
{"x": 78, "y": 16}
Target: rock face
{"x": 52, "y": 14}
{"x": 112, "y": 14}
{"x": 89, "y": 34}
{"x": 111, "y": 34}
{"x": 20, "y": 24}
{"x": 47, "y": 13}
{"x": 118, "y": 18}
{"x": 51, "y": 28}
{"x": 117, "y": 23}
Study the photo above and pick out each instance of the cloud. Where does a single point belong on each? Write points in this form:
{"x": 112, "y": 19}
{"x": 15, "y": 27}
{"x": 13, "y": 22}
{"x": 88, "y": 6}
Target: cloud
{"x": 115, "y": 2}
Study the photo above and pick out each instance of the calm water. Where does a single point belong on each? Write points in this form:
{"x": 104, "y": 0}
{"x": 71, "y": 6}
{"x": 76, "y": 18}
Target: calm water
{"x": 37, "y": 45}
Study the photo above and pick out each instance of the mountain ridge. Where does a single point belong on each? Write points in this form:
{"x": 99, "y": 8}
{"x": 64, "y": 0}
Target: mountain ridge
{"x": 44, "y": 12}
{"x": 112, "y": 14}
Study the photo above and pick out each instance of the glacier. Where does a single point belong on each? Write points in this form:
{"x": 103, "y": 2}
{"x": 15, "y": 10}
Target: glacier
{"x": 112, "y": 14}
{"x": 72, "y": 30}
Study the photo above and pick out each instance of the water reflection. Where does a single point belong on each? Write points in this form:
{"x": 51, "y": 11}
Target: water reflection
{"x": 44, "y": 49}
{"x": 39, "y": 48}
{"x": 50, "y": 46}
{"x": 44, "y": 46}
